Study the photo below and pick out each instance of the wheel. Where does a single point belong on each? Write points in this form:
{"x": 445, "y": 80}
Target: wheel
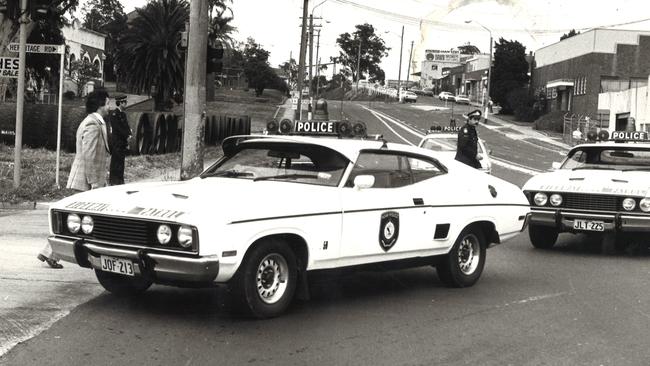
{"x": 122, "y": 285}
{"x": 267, "y": 280}
{"x": 542, "y": 237}
{"x": 464, "y": 263}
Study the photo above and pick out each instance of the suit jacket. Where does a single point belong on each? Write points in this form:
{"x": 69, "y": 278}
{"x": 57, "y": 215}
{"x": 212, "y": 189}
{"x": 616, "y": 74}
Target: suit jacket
{"x": 89, "y": 165}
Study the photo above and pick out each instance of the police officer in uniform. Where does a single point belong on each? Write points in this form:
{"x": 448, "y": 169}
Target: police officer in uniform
{"x": 467, "y": 149}
{"x": 120, "y": 135}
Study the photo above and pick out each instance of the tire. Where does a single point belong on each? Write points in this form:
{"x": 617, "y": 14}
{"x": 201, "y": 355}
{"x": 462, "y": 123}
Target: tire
{"x": 122, "y": 285}
{"x": 464, "y": 263}
{"x": 258, "y": 287}
{"x": 542, "y": 237}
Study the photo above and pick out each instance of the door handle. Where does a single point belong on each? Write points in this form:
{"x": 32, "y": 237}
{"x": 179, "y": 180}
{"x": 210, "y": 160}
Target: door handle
{"x": 418, "y": 201}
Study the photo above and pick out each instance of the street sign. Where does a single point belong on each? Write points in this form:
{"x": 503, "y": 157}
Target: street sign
{"x": 294, "y": 103}
{"x": 9, "y": 67}
{"x": 36, "y": 48}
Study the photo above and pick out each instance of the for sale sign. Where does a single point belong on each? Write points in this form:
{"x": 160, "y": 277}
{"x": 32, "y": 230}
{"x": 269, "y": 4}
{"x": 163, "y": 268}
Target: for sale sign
{"x": 9, "y": 67}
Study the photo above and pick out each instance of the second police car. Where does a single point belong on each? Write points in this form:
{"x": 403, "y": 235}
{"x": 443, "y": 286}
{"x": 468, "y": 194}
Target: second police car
{"x": 601, "y": 188}
{"x": 444, "y": 140}
{"x": 279, "y": 206}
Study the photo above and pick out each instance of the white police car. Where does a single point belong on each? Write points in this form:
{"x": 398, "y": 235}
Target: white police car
{"x": 276, "y": 207}
{"x": 600, "y": 188}
{"x": 444, "y": 140}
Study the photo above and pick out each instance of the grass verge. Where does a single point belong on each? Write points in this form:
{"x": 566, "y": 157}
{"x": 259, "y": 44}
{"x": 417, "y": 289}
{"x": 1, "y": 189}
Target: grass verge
{"x": 39, "y": 170}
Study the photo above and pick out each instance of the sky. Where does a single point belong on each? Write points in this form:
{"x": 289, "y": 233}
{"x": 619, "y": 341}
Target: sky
{"x": 429, "y": 24}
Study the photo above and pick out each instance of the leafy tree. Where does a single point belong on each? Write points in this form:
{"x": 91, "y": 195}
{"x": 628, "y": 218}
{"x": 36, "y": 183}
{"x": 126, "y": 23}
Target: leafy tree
{"x": 81, "y": 72}
{"x": 147, "y": 53}
{"x": 373, "y": 49}
{"x": 291, "y": 69}
{"x": 219, "y": 35}
{"x": 571, "y": 33}
{"x": 319, "y": 82}
{"x": 510, "y": 72}
{"x": 106, "y": 16}
{"x": 468, "y": 49}
{"x": 259, "y": 73}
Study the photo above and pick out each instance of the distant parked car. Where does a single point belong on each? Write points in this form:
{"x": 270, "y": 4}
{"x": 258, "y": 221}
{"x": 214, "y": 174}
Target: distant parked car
{"x": 417, "y": 91}
{"x": 461, "y": 99}
{"x": 409, "y": 97}
{"x": 427, "y": 91}
{"x": 446, "y": 96}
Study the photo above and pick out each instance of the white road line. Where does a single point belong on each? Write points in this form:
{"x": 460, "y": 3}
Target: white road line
{"x": 383, "y": 118}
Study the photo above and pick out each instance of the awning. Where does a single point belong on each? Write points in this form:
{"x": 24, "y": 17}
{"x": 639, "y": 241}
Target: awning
{"x": 559, "y": 82}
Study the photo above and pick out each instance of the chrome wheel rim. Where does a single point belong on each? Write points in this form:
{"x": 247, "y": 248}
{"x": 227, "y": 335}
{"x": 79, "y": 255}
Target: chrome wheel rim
{"x": 469, "y": 254}
{"x": 271, "y": 278}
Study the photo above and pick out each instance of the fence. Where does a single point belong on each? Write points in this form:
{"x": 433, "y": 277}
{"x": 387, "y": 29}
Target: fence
{"x": 577, "y": 126}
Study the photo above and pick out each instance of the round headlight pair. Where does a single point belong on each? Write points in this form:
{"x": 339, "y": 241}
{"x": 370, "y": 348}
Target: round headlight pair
{"x": 184, "y": 236}
{"x": 644, "y": 204}
{"x": 629, "y": 204}
{"x": 542, "y": 198}
{"x": 85, "y": 224}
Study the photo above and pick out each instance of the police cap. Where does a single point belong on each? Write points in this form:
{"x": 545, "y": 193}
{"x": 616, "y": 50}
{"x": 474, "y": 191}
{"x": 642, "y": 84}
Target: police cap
{"x": 120, "y": 98}
{"x": 474, "y": 114}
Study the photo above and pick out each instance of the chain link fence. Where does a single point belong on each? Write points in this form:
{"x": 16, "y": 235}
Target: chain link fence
{"x": 577, "y": 126}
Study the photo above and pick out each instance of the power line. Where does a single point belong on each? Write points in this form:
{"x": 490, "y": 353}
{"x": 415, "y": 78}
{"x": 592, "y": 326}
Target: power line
{"x": 407, "y": 19}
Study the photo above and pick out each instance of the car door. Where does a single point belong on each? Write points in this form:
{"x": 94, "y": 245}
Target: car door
{"x": 385, "y": 218}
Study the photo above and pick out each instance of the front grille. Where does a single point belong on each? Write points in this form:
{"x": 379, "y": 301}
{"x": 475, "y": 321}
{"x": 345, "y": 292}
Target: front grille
{"x": 585, "y": 201}
{"x": 125, "y": 231}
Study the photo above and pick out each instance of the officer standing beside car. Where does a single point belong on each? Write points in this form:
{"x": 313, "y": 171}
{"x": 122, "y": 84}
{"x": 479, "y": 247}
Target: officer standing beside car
{"x": 467, "y": 148}
{"x": 121, "y": 133}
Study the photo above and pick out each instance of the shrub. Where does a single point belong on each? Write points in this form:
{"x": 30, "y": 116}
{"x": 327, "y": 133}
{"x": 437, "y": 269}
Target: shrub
{"x": 553, "y": 121}
{"x": 69, "y": 95}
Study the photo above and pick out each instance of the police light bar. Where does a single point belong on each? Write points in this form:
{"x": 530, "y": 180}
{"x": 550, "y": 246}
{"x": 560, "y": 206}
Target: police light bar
{"x": 317, "y": 128}
{"x": 619, "y": 136}
{"x": 444, "y": 129}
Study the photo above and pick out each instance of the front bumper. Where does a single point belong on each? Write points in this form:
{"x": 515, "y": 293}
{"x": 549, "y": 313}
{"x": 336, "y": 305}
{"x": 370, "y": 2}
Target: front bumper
{"x": 160, "y": 267}
{"x": 612, "y": 222}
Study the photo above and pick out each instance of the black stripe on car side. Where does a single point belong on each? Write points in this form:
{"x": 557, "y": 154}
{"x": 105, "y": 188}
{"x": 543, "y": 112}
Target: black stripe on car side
{"x": 371, "y": 209}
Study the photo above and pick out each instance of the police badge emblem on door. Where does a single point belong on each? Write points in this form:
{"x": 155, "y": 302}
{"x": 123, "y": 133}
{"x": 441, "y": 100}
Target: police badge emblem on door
{"x": 388, "y": 230}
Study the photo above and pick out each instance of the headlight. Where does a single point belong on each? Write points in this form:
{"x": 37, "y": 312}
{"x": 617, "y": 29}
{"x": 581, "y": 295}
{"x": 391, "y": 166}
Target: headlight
{"x": 644, "y": 205}
{"x": 87, "y": 224}
{"x": 540, "y": 198}
{"x": 74, "y": 223}
{"x": 164, "y": 234}
{"x": 629, "y": 204}
{"x": 185, "y": 236}
{"x": 555, "y": 199}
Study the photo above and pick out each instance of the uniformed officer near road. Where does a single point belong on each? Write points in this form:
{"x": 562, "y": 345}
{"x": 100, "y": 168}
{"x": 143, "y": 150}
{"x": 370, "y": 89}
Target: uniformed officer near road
{"x": 120, "y": 135}
{"x": 467, "y": 148}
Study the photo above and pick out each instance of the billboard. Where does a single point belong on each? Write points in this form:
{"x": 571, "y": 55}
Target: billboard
{"x": 452, "y": 56}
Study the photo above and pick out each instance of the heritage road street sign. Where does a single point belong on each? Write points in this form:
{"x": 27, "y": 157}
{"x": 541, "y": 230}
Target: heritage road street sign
{"x": 36, "y": 48}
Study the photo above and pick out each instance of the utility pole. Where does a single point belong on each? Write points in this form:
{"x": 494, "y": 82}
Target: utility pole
{"x": 408, "y": 73}
{"x": 20, "y": 98}
{"x": 195, "y": 92}
{"x": 399, "y": 73}
{"x": 487, "y": 103}
{"x": 301, "y": 66}
{"x": 313, "y": 107}
{"x": 358, "y": 65}
{"x": 311, "y": 49}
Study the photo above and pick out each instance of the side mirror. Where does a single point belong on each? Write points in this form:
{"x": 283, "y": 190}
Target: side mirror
{"x": 556, "y": 165}
{"x": 364, "y": 181}
{"x": 489, "y": 152}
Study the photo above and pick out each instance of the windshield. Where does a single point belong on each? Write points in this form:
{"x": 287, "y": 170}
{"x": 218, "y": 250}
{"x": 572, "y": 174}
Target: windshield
{"x": 444, "y": 143}
{"x": 290, "y": 162}
{"x": 607, "y": 157}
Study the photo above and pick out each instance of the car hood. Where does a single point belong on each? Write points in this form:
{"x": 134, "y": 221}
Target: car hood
{"x": 210, "y": 199}
{"x": 613, "y": 182}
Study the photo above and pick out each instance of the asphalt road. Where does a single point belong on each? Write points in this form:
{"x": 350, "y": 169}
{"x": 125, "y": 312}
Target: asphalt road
{"x": 566, "y": 306}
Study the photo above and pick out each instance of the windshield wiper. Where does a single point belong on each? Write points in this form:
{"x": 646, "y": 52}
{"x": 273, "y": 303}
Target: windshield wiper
{"x": 594, "y": 167}
{"x": 231, "y": 174}
{"x": 288, "y": 176}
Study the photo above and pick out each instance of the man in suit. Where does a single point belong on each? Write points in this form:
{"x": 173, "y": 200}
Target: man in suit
{"x": 119, "y": 142}
{"x": 89, "y": 166}
{"x": 467, "y": 148}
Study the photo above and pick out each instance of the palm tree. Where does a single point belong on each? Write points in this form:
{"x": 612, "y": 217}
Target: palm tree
{"x": 219, "y": 34}
{"x": 148, "y": 53}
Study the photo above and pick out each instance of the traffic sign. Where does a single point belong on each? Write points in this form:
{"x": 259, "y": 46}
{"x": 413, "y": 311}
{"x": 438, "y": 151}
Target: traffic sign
{"x": 9, "y": 67}
{"x": 294, "y": 103}
{"x": 36, "y": 48}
